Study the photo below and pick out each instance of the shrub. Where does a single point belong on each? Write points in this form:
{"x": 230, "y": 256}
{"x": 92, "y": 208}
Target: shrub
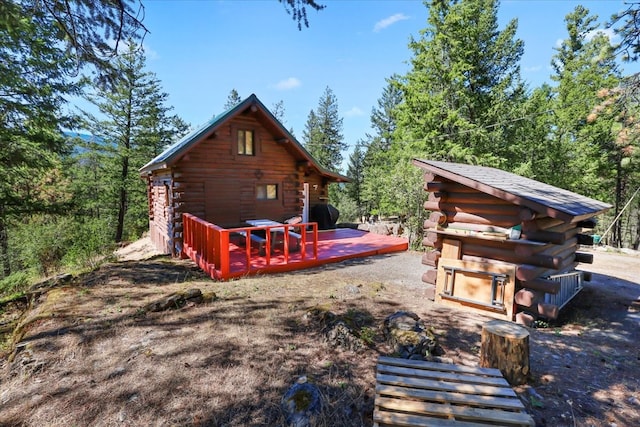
{"x": 47, "y": 243}
{"x": 89, "y": 241}
{"x": 14, "y": 284}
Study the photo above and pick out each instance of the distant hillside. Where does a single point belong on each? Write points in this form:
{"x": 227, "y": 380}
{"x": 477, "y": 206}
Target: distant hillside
{"x": 86, "y": 138}
{"x": 83, "y": 136}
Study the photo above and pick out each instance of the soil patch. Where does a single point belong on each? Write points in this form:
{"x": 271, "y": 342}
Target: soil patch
{"x": 90, "y": 352}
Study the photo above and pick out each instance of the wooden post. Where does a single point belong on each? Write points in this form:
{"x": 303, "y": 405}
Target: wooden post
{"x": 505, "y": 345}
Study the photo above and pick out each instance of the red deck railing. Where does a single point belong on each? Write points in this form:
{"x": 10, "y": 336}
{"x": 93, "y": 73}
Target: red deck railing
{"x": 224, "y": 253}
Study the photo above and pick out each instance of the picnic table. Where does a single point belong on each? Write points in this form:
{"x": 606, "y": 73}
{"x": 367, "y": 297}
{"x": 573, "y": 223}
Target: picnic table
{"x": 277, "y": 233}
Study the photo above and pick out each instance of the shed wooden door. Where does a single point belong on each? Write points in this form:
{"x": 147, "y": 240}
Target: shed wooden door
{"x": 229, "y": 201}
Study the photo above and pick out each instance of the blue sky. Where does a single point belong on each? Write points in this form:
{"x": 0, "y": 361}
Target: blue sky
{"x": 201, "y": 49}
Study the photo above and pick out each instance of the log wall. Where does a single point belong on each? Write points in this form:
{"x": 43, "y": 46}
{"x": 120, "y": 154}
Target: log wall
{"x": 160, "y": 214}
{"x": 469, "y": 226}
{"x": 213, "y": 182}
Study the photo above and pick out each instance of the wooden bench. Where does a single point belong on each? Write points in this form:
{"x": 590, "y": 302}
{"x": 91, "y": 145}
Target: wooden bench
{"x": 295, "y": 240}
{"x": 256, "y": 241}
{"x": 419, "y": 393}
{"x": 260, "y": 242}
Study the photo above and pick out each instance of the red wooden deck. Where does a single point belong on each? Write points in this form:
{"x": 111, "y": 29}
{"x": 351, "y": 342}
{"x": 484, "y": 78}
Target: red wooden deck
{"x": 223, "y": 258}
{"x": 333, "y": 246}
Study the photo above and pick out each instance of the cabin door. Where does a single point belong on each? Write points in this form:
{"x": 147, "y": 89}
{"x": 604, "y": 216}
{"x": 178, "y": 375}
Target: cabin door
{"x": 305, "y": 202}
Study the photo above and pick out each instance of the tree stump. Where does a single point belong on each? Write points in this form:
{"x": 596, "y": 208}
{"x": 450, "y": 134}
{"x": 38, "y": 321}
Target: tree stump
{"x": 505, "y": 346}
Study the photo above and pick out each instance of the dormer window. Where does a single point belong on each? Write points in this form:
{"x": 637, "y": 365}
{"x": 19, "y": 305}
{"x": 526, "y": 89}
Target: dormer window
{"x": 245, "y": 142}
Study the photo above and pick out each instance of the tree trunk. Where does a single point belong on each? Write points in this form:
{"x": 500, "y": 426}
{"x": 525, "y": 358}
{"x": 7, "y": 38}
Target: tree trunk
{"x": 636, "y": 239}
{"x": 4, "y": 246}
{"x": 505, "y": 346}
{"x": 122, "y": 202}
{"x": 617, "y": 228}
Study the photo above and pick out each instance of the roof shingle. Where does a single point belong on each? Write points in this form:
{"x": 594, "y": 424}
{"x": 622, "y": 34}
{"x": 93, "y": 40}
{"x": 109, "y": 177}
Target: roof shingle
{"x": 177, "y": 149}
{"x": 540, "y": 197}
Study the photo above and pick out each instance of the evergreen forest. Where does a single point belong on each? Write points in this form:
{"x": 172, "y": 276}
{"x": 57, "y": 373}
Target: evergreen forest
{"x": 70, "y": 190}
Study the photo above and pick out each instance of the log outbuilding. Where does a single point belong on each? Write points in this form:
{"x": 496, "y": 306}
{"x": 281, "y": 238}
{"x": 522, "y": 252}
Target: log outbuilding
{"x": 243, "y": 164}
{"x": 502, "y": 244}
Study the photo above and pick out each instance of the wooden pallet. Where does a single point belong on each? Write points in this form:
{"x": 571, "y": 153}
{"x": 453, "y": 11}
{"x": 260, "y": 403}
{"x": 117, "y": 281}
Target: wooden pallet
{"x": 418, "y": 393}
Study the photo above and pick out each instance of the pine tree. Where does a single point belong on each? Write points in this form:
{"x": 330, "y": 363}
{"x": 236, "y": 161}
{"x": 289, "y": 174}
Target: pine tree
{"x": 620, "y": 159}
{"x": 463, "y": 85}
{"x": 232, "y": 100}
{"x": 596, "y": 125}
{"x": 582, "y": 67}
{"x": 383, "y": 118}
{"x": 323, "y": 133}
{"x": 376, "y": 192}
{"x": 136, "y": 125}
{"x": 627, "y": 25}
{"x": 355, "y": 171}
{"x": 34, "y": 72}
{"x": 459, "y": 99}
{"x": 533, "y": 153}
{"x": 278, "y": 111}
{"x": 92, "y": 31}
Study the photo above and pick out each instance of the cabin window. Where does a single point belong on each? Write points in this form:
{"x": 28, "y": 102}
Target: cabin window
{"x": 267, "y": 191}
{"x": 245, "y": 142}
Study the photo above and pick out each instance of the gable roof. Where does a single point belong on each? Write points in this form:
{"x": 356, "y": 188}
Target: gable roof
{"x": 249, "y": 105}
{"x": 539, "y": 197}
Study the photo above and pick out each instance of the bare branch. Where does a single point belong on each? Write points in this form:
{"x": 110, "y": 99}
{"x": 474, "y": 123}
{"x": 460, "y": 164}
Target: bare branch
{"x": 298, "y": 10}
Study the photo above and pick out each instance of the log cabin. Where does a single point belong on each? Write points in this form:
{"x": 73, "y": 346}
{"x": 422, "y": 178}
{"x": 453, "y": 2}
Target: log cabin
{"x": 501, "y": 244}
{"x": 243, "y": 164}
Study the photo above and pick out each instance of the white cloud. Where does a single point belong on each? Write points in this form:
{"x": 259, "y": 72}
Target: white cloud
{"x": 387, "y": 22}
{"x": 123, "y": 47}
{"x": 150, "y": 53}
{"x": 611, "y": 35}
{"x": 287, "y": 84}
{"x": 353, "y": 112}
{"x": 532, "y": 69}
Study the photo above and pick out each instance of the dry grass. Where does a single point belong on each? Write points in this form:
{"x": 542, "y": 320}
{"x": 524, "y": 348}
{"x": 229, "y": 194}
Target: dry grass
{"x": 90, "y": 355}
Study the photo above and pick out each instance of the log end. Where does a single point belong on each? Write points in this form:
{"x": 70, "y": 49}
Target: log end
{"x": 550, "y": 311}
{"x": 505, "y": 346}
{"x": 430, "y": 276}
{"x": 584, "y": 257}
{"x": 527, "y": 297}
{"x": 505, "y": 329}
{"x": 431, "y": 258}
{"x": 525, "y": 319}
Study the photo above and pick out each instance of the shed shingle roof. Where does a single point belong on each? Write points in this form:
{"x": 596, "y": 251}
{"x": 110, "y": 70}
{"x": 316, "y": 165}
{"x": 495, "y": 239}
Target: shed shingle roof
{"x": 543, "y": 198}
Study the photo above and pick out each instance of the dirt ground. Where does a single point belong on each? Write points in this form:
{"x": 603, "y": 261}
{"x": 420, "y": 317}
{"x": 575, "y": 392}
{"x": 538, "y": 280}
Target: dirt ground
{"x": 90, "y": 352}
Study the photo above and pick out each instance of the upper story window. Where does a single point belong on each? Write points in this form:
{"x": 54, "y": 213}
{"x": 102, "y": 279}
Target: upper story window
{"x": 246, "y": 145}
